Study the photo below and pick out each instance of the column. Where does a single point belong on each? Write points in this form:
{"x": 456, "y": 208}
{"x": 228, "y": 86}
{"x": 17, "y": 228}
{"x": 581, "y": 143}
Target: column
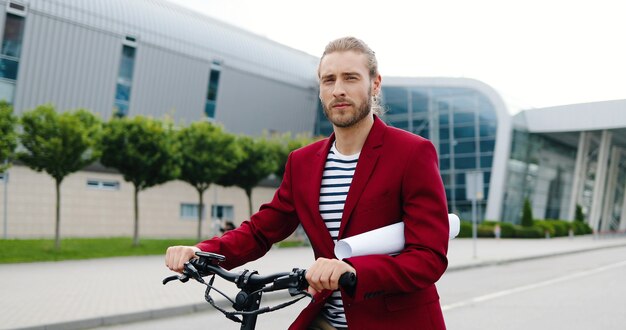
{"x": 600, "y": 180}
{"x": 580, "y": 172}
{"x": 622, "y": 218}
{"x": 611, "y": 185}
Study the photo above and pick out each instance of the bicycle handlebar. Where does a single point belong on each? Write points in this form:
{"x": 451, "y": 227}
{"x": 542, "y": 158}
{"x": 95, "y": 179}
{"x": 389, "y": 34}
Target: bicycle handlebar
{"x": 252, "y": 285}
{"x": 208, "y": 263}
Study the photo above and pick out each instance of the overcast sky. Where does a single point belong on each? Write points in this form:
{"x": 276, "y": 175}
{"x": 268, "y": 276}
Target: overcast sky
{"x": 536, "y": 53}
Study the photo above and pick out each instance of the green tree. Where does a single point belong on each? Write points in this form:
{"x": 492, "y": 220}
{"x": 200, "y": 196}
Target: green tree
{"x": 207, "y": 153}
{"x": 143, "y": 150}
{"x": 578, "y": 215}
{"x": 527, "y": 214}
{"x": 8, "y": 136}
{"x": 285, "y": 144}
{"x": 59, "y": 144}
{"x": 257, "y": 163}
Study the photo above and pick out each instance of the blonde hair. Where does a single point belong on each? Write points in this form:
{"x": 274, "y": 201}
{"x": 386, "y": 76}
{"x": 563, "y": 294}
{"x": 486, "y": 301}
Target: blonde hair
{"x": 357, "y": 45}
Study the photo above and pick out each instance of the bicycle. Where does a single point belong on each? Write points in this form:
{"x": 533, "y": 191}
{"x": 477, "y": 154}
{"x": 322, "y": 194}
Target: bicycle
{"x": 248, "y": 301}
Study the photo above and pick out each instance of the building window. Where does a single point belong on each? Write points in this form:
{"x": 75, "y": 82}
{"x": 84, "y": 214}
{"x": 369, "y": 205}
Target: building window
{"x": 222, "y": 212}
{"x": 189, "y": 211}
{"x": 125, "y": 78}
{"x": 103, "y": 184}
{"x": 211, "y": 96}
{"x": 10, "y": 52}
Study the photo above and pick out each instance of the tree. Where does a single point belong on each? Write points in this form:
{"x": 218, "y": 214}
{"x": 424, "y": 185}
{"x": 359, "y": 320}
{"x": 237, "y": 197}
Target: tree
{"x": 59, "y": 144}
{"x": 143, "y": 151}
{"x": 527, "y": 214}
{"x": 206, "y": 153}
{"x": 258, "y": 161}
{"x": 285, "y": 144}
{"x": 8, "y": 137}
{"x": 578, "y": 215}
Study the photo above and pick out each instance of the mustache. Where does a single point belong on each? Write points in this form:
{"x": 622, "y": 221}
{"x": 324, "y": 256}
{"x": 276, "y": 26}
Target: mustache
{"x": 338, "y": 101}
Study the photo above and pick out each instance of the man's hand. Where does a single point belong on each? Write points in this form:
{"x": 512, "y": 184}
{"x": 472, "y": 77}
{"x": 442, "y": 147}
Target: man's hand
{"x": 325, "y": 273}
{"x": 177, "y": 256}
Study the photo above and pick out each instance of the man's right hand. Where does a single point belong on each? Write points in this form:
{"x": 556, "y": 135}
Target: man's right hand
{"x": 177, "y": 256}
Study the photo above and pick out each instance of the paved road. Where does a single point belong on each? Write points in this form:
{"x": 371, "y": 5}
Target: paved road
{"x": 84, "y": 294}
{"x": 580, "y": 291}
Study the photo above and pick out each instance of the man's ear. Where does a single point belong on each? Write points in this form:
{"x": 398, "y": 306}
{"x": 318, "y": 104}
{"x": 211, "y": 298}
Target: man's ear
{"x": 376, "y": 83}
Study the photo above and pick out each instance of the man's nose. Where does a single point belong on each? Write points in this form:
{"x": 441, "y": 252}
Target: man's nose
{"x": 339, "y": 90}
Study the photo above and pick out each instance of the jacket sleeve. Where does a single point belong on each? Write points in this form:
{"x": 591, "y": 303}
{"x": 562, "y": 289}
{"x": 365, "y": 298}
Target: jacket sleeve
{"x": 273, "y": 222}
{"x": 426, "y": 231}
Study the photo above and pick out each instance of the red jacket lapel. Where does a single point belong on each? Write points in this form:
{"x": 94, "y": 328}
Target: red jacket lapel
{"x": 367, "y": 161}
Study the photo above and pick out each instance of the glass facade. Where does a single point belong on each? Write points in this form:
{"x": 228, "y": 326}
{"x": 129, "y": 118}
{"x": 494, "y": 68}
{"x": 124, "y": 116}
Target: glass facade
{"x": 461, "y": 123}
{"x": 541, "y": 169}
{"x": 124, "y": 81}
{"x": 10, "y": 55}
{"x": 211, "y": 95}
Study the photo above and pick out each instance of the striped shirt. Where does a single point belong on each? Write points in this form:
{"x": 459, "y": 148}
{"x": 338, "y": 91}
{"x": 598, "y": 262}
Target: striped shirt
{"x": 336, "y": 180}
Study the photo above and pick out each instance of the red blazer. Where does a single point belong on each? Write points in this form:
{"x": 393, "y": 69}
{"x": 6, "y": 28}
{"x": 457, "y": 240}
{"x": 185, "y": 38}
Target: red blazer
{"x": 396, "y": 178}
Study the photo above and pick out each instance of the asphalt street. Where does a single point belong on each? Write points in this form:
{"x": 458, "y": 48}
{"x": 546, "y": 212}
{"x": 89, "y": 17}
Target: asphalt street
{"x": 577, "y": 291}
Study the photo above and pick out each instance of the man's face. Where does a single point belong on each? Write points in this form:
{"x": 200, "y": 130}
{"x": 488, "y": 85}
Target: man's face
{"x": 346, "y": 87}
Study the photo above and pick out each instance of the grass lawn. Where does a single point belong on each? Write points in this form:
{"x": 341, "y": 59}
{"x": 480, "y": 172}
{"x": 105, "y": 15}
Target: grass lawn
{"x": 31, "y": 250}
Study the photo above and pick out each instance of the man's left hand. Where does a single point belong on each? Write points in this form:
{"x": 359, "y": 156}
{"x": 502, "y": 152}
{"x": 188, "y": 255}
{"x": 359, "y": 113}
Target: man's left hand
{"x": 324, "y": 274}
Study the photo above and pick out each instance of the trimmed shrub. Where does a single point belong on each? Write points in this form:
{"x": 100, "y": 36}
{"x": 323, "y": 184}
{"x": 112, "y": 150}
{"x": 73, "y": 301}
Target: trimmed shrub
{"x": 507, "y": 230}
{"x": 466, "y": 229}
{"x": 545, "y": 226}
{"x": 527, "y": 214}
{"x": 528, "y": 232}
{"x": 561, "y": 227}
{"x": 581, "y": 228}
{"x": 578, "y": 215}
{"x": 485, "y": 230}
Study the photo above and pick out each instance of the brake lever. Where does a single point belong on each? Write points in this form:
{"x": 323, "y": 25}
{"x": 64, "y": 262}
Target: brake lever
{"x": 182, "y": 278}
{"x": 192, "y": 272}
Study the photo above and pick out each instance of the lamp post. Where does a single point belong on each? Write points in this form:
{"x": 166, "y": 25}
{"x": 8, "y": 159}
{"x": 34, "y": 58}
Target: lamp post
{"x": 5, "y": 182}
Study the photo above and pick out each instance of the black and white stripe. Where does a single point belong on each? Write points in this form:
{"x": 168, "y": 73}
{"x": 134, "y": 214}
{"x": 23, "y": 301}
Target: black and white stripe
{"x": 336, "y": 180}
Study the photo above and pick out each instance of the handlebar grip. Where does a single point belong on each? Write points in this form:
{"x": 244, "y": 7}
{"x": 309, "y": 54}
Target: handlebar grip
{"x": 347, "y": 281}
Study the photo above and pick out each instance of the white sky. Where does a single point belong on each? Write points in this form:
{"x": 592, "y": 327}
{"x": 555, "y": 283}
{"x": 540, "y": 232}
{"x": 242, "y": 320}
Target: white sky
{"x": 536, "y": 53}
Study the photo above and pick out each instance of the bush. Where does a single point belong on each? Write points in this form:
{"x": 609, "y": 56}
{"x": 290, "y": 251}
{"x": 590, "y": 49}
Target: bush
{"x": 528, "y": 232}
{"x": 581, "y": 228}
{"x": 485, "y": 230}
{"x": 527, "y": 214}
{"x": 466, "y": 229}
{"x": 544, "y": 226}
{"x": 506, "y": 228}
{"x": 561, "y": 227}
{"x": 578, "y": 215}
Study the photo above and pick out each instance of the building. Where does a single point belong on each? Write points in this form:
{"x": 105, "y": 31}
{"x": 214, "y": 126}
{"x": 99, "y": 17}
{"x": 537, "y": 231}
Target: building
{"x": 151, "y": 57}
{"x": 557, "y": 157}
{"x": 140, "y": 57}
{"x": 566, "y": 156}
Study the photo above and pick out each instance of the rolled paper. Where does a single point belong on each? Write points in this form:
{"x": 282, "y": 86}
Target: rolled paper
{"x": 384, "y": 240}
{"x": 455, "y": 225}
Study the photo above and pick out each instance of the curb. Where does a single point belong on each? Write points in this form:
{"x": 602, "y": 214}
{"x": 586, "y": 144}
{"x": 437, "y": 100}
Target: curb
{"x": 202, "y": 307}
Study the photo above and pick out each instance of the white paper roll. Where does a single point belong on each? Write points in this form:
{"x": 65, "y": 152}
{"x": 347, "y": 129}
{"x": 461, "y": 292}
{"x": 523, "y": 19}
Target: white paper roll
{"x": 385, "y": 240}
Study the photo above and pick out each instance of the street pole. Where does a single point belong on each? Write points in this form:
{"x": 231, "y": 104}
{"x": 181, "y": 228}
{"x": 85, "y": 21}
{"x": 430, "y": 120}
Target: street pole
{"x": 474, "y": 191}
{"x": 474, "y": 226}
{"x": 5, "y": 181}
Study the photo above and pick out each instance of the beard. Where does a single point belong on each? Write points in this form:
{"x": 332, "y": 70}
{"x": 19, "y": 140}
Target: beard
{"x": 346, "y": 120}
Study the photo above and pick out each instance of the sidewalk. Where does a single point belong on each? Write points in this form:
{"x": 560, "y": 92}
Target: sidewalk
{"x": 91, "y": 293}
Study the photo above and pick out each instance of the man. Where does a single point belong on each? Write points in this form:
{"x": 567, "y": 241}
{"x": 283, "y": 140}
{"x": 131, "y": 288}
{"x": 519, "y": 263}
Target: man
{"x": 366, "y": 175}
